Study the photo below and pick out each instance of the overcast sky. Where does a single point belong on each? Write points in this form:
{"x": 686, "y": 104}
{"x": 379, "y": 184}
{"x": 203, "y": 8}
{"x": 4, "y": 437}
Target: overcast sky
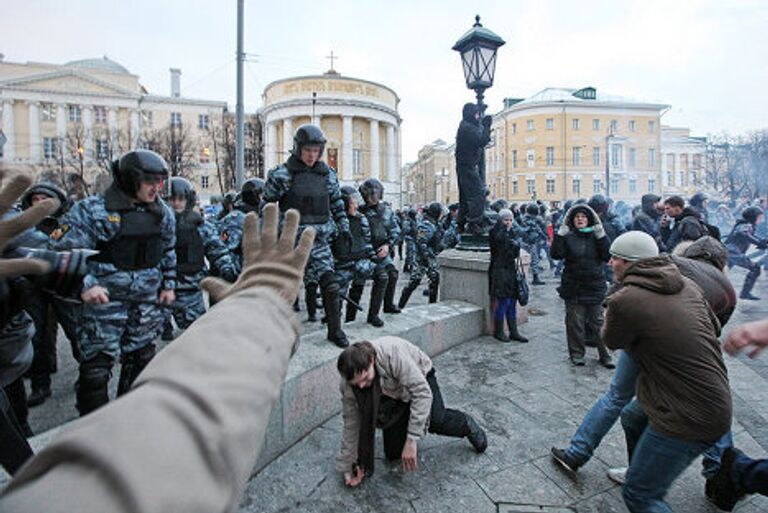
{"x": 707, "y": 59}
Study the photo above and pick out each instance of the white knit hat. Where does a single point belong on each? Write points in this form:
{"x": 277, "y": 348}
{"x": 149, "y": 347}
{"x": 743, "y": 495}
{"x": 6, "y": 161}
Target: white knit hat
{"x": 634, "y": 245}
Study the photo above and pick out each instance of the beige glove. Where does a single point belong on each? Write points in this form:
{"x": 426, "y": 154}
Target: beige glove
{"x": 267, "y": 260}
{"x": 10, "y": 228}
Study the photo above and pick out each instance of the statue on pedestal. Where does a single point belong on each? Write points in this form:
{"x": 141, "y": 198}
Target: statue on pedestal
{"x": 472, "y": 137}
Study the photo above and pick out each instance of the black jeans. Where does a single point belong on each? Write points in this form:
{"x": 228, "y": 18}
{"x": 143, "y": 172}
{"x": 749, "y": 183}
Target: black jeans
{"x": 442, "y": 421}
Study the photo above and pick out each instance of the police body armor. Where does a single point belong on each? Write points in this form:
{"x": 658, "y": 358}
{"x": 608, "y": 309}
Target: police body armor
{"x": 309, "y": 195}
{"x": 344, "y": 253}
{"x": 190, "y": 250}
{"x": 138, "y": 244}
{"x": 378, "y": 227}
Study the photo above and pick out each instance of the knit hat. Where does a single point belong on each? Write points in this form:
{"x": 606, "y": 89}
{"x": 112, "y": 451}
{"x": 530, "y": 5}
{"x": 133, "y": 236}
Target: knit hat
{"x": 505, "y": 213}
{"x": 634, "y": 245}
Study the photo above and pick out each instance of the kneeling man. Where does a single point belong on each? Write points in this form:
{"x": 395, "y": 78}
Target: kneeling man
{"x": 390, "y": 383}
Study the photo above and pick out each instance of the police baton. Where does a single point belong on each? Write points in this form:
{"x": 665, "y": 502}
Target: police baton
{"x": 112, "y": 299}
{"x": 350, "y": 302}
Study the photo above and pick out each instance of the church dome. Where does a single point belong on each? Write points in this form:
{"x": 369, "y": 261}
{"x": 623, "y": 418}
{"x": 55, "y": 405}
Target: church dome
{"x": 103, "y": 64}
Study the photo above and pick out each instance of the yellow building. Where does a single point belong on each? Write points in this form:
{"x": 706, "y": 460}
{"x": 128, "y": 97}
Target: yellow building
{"x": 558, "y": 144}
{"x": 68, "y": 121}
{"x": 433, "y": 176}
{"x": 360, "y": 120}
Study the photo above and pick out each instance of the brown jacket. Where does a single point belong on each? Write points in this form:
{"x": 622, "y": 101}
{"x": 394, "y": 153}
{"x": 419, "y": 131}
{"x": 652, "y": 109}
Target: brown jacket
{"x": 186, "y": 438}
{"x": 402, "y": 369}
{"x": 663, "y": 321}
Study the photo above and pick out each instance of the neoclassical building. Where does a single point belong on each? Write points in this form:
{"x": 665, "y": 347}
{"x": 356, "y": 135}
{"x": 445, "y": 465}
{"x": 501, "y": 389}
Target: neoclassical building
{"x": 682, "y": 166}
{"x": 360, "y": 120}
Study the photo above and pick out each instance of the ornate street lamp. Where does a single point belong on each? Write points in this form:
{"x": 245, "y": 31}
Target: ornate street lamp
{"x": 478, "y": 57}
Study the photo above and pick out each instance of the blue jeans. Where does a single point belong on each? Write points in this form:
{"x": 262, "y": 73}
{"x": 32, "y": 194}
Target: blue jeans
{"x": 656, "y": 461}
{"x": 505, "y": 307}
{"x": 604, "y": 413}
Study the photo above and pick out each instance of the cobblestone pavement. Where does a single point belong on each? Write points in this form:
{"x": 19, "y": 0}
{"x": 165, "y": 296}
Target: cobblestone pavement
{"x": 529, "y": 398}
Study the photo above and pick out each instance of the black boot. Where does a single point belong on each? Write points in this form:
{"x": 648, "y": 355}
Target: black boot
{"x": 405, "y": 295}
{"x": 537, "y": 280}
{"x": 434, "y": 287}
{"x": 167, "y": 335}
{"x": 476, "y": 435}
{"x": 498, "y": 331}
{"x": 377, "y": 298}
{"x": 355, "y": 293}
{"x": 332, "y": 305}
{"x": 41, "y": 390}
{"x": 296, "y": 307}
{"x": 749, "y": 282}
{"x": 132, "y": 365}
{"x": 513, "y": 333}
{"x": 389, "y": 293}
{"x": 91, "y": 387}
{"x": 310, "y": 298}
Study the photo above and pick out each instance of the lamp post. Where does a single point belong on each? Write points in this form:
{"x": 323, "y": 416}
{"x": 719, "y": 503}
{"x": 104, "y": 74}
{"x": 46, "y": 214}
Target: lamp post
{"x": 478, "y": 57}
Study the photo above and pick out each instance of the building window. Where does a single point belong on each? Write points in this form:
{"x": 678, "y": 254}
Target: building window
{"x": 576, "y": 155}
{"x": 202, "y": 121}
{"x": 514, "y": 128}
{"x": 249, "y": 158}
{"x": 614, "y": 126}
{"x": 48, "y": 111}
{"x": 576, "y": 186}
{"x": 651, "y": 126}
{"x": 597, "y": 186}
{"x": 205, "y": 155}
{"x": 633, "y": 158}
{"x": 595, "y": 124}
{"x": 357, "y": 162}
{"x": 146, "y": 119}
{"x": 514, "y": 158}
{"x": 530, "y": 185}
{"x": 670, "y": 178}
{"x": 550, "y": 123}
{"x": 248, "y": 129}
{"x": 75, "y": 114}
{"x": 651, "y": 157}
{"x": 632, "y": 125}
{"x": 576, "y": 123}
{"x": 651, "y": 185}
{"x": 615, "y": 155}
{"x": 529, "y": 124}
{"x": 515, "y": 188}
{"x": 100, "y": 115}
{"x": 50, "y": 147}
{"x": 550, "y": 185}
{"x": 633, "y": 185}
{"x": 204, "y": 182}
{"x": 175, "y": 119}
{"x": 596, "y": 156}
{"x": 102, "y": 148}
{"x": 550, "y": 155}
{"x": 531, "y": 158}
{"x": 614, "y": 186}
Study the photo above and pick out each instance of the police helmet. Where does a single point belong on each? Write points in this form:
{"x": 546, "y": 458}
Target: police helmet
{"x": 751, "y": 214}
{"x": 498, "y": 205}
{"x": 434, "y": 210}
{"x": 412, "y": 213}
{"x": 48, "y": 189}
{"x": 453, "y": 207}
{"x": 372, "y": 187}
{"x": 308, "y": 135}
{"x": 348, "y": 192}
{"x": 532, "y": 209}
{"x": 598, "y": 203}
{"x": 137, "y": 167}
{"x": 183, "y": 188}
{"x": 251, "y": 191}
{"x": 229, "y": 199}
{"x": 698, "y": 199}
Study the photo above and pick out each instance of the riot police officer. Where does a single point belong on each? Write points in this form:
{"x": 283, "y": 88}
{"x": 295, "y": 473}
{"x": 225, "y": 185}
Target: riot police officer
{"x": 250, "y": 195}
{"x": 131, "y": 277}
{"x": 409, "y": 235}
{"x": 306, "y": 183}
{"x": 429, "y": 242}
{"x": 384, "y": 233}
{"x": 739, "y": 241}
{"x": 196, "y": 240}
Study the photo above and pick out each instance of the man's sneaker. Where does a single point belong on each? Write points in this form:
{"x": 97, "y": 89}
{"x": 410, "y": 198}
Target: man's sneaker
{"x": 561, "y": 457}
{"x": 476, "y": 435}
{"x": 578, "y": 361}
{"x": 607, "y": 363}
{"x": 720, "y": 489}
{"x": 749, "y": 297}
{"x": 618, "y": 475}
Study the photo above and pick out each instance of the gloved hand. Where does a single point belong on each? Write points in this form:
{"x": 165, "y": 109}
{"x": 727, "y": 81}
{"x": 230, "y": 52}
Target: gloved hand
{"x": 563, "y": 230}
{"x": 598, "y": 230}
{"x": 10, "y": 228}
{"x": 268, "y": 261}
{"x": 487, "y": 120}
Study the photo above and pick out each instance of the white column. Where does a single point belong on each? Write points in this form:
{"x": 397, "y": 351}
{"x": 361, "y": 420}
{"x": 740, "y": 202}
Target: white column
{"x": 375, "y": 164}
{"x": 87, "y": 118}
{"x": 391, "y": 154}
{"x": 346, "y": 149}
{"x": 35, "y": 152}
{"x": 287, "y": 137}
{"x": 9, "y": 130}
{"x": 112, "y": 127}
{"x": 61, "y": 121}
{"x": 270, "y": 148}
{"x": 134, "y": 129}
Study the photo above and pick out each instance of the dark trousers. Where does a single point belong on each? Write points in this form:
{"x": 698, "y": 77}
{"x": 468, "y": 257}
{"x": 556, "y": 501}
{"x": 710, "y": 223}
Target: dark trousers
{"x": 442, "y": 421}
{"x": 44, "y": 362}
{"x": 582, "y": 326}
{"x": 471, "y": 197}
{"x": 14, "y": 449}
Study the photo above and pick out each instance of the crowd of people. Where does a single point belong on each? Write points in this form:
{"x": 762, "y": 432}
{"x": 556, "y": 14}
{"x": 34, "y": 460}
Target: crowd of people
{"x": 125, "y": 265}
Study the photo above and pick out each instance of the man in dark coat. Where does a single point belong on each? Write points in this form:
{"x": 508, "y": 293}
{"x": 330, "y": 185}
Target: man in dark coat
{"x": 582, "y": 243}
{"x": 680, "y": 223}
{"x": 471, "y": 138}
{"x": 647, "y": 220}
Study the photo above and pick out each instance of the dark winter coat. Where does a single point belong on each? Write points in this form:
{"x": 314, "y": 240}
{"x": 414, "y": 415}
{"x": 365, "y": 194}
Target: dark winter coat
{"x": 687, "y": 226}
{"x": 584, "y": 255}
{"x": 502, "y": 274}
{"x": 471, "y": 137}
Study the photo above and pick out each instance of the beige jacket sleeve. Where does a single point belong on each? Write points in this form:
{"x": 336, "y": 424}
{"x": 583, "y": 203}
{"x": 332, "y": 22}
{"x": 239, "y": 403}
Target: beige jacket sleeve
{"x": 350, "y": 435}
{"x": 405, "y": 369}
{"x": 186, "y": 438}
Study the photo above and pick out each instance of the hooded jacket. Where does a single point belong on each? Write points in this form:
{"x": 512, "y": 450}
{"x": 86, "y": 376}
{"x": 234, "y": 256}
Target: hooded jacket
{"x": 663, "y": 321}
{"x": 470, "y": 138}
{"x": 647, "y": 220}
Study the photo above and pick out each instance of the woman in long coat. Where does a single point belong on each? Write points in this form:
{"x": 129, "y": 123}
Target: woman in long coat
{"x": 502, "y": 276}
